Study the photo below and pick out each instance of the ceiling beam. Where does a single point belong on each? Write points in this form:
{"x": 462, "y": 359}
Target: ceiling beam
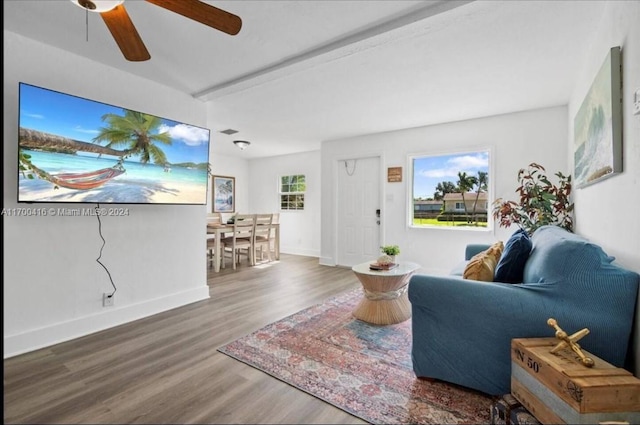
{"x": 394, "y": 29}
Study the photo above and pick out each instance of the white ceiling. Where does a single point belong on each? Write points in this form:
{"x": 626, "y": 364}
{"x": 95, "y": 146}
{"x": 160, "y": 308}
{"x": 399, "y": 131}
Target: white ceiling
{"x": 301, "y": 72}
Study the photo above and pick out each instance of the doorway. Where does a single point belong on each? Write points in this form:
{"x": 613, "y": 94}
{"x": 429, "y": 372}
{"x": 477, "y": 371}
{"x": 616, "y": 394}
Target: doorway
{"x": 358, "y": 218}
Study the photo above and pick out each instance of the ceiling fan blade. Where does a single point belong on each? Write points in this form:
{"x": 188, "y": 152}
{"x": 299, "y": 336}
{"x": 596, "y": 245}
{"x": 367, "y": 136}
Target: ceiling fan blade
{"x": 125, "y": 34}
{"x": 203, "y": 13}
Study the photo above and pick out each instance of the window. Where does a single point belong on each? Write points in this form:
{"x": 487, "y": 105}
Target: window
{"x": 292, "y": 190}
{"x": 455, "y": 187}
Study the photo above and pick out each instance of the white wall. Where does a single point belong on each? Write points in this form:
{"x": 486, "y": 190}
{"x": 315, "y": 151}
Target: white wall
{"x": 52, "y": 284}
{"x": 299, "y": 230}
{"x": 516, "y": 140}
{"x": 607, "y": 212}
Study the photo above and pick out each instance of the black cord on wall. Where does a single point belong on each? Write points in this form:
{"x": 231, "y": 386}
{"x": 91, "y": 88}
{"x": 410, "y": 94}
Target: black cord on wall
{"x": 104, "y": 242}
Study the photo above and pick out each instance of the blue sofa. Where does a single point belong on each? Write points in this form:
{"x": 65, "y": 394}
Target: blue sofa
{"x": 462, "y": 329}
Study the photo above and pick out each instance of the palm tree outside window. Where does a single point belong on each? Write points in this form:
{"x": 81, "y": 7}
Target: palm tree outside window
{"x": 455, "y": 187}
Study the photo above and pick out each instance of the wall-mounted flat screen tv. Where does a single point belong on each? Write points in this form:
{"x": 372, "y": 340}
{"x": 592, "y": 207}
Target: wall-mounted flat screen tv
{"x": 73, "y": 149}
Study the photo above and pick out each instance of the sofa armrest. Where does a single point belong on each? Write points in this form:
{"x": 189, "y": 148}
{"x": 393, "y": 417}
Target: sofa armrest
{"x": 462, "y": 329}
{"x": 473, "y": 249}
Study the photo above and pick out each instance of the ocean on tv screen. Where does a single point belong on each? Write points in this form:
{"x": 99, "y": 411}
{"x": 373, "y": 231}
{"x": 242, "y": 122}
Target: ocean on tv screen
{"x": 73, "y": 149}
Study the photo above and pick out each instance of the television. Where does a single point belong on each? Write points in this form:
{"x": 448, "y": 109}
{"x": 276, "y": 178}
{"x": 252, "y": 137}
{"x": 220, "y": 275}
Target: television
{"x": 77, "y": 150}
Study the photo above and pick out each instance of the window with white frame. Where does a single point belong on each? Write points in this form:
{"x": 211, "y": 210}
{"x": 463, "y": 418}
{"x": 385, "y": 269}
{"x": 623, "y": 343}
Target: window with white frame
{"x": 292, "y": 189}
{"x": 456, "y": 188}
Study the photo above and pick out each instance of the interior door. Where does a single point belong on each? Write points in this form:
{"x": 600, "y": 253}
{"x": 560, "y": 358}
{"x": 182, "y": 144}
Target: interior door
{"x": 358, "y": 220}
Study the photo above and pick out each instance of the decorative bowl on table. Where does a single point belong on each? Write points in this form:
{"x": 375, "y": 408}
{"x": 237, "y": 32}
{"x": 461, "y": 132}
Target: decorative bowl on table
{"x": 385, "y": 262}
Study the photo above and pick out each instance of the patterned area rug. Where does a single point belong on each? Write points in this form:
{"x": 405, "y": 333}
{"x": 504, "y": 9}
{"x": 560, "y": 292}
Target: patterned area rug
{"x": 360, "y": 368}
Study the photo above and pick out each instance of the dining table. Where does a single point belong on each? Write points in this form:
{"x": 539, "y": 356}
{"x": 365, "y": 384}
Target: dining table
{"x": 220, "y": 229}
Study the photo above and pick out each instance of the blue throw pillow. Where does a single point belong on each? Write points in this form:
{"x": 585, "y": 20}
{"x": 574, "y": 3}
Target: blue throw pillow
{"x": 510, "y": 268}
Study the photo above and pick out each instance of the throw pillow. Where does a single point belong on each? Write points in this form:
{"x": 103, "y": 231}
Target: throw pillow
{"x": 482, "y": 265}
{"x": 496, "y": 250}
{"x": 510, "y": 268}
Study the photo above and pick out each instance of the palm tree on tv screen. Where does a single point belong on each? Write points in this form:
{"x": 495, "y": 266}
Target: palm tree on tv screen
{"x": 139, "y": 132}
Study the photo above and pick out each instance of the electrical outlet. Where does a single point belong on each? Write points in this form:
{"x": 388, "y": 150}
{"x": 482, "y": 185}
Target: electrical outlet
{"x": 107, "y": 300}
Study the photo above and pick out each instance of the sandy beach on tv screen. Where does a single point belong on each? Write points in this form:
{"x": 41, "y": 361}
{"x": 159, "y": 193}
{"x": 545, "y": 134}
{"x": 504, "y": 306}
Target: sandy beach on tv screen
{"x": 117, "y": 192}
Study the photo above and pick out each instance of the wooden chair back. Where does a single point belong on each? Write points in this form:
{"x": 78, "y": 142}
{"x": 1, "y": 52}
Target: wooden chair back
{"x": 242, "y": 238}
{"x": 244, "y": 226}
{"x": 263, "y": 226}
{"x": 262, "y": 234}
{"x": 272, "y": 234}
{"x": 214, "y": 218}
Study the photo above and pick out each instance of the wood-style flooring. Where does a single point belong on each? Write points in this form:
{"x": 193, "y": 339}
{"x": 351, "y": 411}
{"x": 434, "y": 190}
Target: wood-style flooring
{"x": 166, "y": 368}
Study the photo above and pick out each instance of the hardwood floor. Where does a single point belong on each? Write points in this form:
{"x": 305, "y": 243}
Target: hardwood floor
{"x": 165, "y": 368}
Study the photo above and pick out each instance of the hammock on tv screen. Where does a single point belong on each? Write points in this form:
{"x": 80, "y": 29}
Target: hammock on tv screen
{"x": 88, "y": 180}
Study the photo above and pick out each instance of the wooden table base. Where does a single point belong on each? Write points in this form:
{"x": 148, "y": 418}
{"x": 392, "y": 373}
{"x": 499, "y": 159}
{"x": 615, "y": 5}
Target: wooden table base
{"x": 383, "y": 312}
{"x": 385, "y": 300}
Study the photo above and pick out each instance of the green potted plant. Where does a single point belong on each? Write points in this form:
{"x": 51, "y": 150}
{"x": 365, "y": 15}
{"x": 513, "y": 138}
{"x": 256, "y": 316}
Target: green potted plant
{"x": 390, "y": 252}
{"x": 390, "y": 249}
{"x": 541, "y": 202}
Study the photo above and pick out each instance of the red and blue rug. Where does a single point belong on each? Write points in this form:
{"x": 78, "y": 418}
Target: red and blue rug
{"x": 360, "y": 368}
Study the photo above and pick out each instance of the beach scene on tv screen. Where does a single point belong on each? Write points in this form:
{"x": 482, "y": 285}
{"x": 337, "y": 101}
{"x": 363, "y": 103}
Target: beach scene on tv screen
{"x": 73, "y": 149}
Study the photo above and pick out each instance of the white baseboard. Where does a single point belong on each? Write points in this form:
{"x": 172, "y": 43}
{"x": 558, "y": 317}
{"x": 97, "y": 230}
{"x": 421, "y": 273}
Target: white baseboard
{"x": 107, "y": 318}
{"x": 298, "y": 251}
{"x": 327, "y": 261}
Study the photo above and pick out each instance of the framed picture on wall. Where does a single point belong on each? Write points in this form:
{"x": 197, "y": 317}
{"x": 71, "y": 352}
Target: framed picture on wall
{"x": 224, "y": 194}
{"x": 598, "y": 126}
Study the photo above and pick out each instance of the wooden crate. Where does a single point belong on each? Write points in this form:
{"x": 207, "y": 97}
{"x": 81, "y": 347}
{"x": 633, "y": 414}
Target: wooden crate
{"x": 557, "y": 388}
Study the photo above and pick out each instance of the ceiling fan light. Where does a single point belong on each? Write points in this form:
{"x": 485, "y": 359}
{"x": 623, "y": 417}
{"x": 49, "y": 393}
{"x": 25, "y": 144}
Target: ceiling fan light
{"x": 242, "y": 144}
{"x": 98, "y": 5}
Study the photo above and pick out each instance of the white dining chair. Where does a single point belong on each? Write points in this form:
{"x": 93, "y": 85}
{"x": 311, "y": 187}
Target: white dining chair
{"x": 262, "y": 234}
{"x": 212, "y": 219}
{"x": 272, "y": 234}
{"x": 241, "y": 239}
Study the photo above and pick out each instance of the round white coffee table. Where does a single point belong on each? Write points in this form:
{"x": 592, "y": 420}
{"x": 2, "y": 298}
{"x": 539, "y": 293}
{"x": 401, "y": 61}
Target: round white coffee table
{"x": 385, "y": 300}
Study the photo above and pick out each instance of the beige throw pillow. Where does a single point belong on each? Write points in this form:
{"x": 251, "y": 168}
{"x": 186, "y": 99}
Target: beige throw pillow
{"x": 482, "y": 266}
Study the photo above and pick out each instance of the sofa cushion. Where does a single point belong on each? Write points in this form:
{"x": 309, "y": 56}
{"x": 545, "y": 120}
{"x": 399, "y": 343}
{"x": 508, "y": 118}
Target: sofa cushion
{"x": 510, "y": 268}
{"x": 558, "y": 254}
{"x": 482, "y": 265}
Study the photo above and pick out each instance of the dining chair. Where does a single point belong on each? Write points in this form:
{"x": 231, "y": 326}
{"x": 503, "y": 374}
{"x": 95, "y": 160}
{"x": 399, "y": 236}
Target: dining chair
{"x": 261, "y": 238}
{"x": 211, "y": 243}
{"x": 272, "y": 234}
{"x": 242, "y": 238}
{"x": 215, "y": 219}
